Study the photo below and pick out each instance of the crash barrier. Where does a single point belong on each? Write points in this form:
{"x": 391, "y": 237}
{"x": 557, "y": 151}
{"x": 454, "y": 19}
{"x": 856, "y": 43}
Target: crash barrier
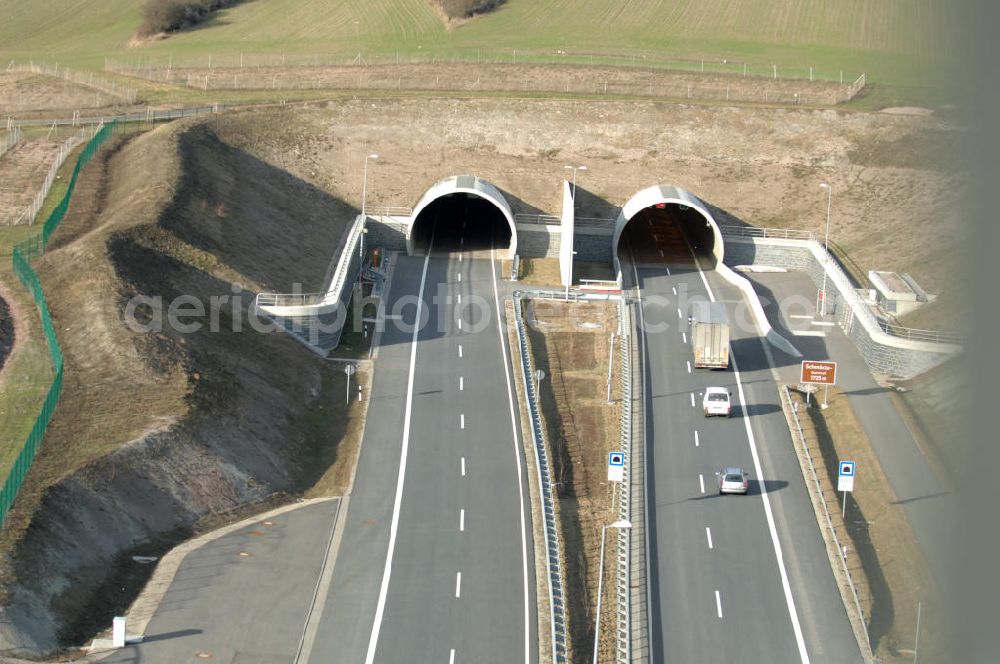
{"x": 553, "y": 557}
{"x": 623, "y": 622}
{"x": 23, "y": 254}
{"x": 834, "y": 546}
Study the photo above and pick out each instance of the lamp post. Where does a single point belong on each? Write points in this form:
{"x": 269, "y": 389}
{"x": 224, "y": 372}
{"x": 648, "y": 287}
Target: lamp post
{"x": 826, "y": 243}
{"x": 575, "y": 169}
{"x": 600, "y": 582}
{"x": 364, "y": 217}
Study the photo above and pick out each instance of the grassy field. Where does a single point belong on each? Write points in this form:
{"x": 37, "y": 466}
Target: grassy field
{"x": 891, "y": 40}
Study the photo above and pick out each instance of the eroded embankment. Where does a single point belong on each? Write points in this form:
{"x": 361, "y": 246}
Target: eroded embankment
{"x": 164, "y": 423}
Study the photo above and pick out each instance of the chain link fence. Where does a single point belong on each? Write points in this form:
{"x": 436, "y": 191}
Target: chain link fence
{"x": 23, "y": 254}
{"x": 88, "y": 79}
{"x": 531, "y": 78}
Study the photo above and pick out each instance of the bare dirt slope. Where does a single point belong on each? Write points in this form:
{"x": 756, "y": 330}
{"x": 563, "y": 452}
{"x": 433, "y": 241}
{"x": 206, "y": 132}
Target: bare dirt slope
{"x": 156, "y": 431}
{"x": 23, "y": 92}
{"x": 22, "y": 170}
{"x": 897, "y": 181}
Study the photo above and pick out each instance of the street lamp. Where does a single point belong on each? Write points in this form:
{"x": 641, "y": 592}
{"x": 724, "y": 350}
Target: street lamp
{"x": 600, "y": 581}
{"x": 364, "y": 217}
{"x": 826, "y": 244}
{"x": 364, "y": 185}
{"x": 575, "y": 169}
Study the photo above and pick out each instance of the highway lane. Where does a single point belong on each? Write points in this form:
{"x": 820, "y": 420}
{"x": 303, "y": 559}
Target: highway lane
{"x": 718, "y": 588}
{"x": 458, "y": 589}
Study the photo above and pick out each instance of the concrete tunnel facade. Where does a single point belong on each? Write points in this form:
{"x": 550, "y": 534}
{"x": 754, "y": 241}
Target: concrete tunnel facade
{"x": 461, "y": 189}
{"x": 660, "y": 195}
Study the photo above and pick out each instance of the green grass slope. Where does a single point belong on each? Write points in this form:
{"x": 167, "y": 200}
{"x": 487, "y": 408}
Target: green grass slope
{"x": 894, "y": 41}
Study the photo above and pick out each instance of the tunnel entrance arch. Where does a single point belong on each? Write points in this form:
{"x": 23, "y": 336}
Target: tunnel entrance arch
{"x": 668, "y": 208}
{"x": 463, "y": 213}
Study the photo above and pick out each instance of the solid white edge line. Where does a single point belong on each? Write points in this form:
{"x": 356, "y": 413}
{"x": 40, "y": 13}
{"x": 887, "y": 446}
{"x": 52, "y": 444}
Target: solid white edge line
{"x": 458, "y": 585}
{"x": 708, "y": 534}
{"x": 397, "y": 502}
{"x": 772, "y": 529}
{"x": 517, "y": 461}
{"x": 718, "y": 604}
{"x": 701, "y": 482}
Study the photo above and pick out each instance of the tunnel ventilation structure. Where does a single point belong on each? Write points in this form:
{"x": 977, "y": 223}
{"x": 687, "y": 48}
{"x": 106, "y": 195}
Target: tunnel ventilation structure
{"x": 462, "y": 213}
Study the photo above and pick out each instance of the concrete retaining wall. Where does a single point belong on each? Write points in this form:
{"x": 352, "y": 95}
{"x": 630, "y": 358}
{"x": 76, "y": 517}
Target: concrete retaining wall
{"x": 895, "y": 357}
{"x": 535, "y": 241}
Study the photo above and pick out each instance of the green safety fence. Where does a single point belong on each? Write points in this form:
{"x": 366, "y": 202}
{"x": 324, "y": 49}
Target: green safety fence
{"x": 23, "y": 253}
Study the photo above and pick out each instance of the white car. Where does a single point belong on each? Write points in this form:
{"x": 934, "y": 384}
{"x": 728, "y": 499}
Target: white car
{"x": 733, "y": 480}
{"x": 717, "y": 402}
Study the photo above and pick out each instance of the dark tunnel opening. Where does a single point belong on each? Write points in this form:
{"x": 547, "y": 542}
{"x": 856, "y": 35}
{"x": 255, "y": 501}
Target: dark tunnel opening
{"x": 657, "y": 235}
{"x": 460, "y": 222}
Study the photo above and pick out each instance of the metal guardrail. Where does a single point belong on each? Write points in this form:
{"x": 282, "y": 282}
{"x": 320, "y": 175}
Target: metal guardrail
{"x": 623, "y": 624}
{"x": 336, "y": 288}
{"x": 915, "y": 334}
{"x": 552, "y": 544}
{"x": 537, "y": 219}
{"x": 149, "y": 115}
{"x": 777, "y": 233}
{"x": 389, "y": 211}
{"x": 787, "y": 399}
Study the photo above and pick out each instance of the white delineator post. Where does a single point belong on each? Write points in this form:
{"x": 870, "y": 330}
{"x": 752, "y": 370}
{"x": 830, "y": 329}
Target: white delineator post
{"x": 118, "y": 632}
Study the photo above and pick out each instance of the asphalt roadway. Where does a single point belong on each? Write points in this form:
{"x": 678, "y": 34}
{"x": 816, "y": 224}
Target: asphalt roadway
{"x": 925, "y": 496}
{"x": 241, "y": 598}
{"x": 456, "y": 586}
{"x": 432, "y": 563}
{"x": 719, "y": 588}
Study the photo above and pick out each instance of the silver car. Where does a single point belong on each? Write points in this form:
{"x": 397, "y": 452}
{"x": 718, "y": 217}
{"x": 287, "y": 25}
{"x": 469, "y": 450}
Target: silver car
{"x": 733, "y": 480}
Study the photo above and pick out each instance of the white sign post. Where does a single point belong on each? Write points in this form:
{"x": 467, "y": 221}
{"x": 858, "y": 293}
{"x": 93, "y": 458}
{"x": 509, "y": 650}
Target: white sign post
{"x": 616, "y": 466}
{"x": 845, "y": 482}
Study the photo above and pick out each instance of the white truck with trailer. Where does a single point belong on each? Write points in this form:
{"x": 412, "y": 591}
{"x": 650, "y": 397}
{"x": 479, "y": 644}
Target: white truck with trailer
{"x": 710, "y": 335}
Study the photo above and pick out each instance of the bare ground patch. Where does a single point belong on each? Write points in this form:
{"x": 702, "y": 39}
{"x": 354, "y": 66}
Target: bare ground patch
{"x": 570, "y": 343}
{"x": 655, "y": 83}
